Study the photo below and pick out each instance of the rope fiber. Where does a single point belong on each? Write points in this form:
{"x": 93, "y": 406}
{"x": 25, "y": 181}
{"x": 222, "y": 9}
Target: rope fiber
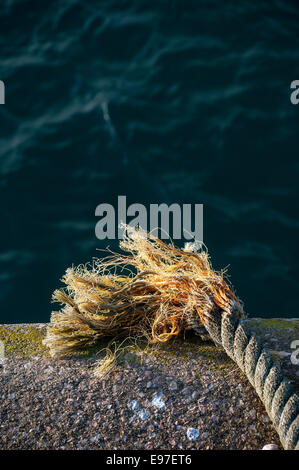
{"x": 157, "y": 291}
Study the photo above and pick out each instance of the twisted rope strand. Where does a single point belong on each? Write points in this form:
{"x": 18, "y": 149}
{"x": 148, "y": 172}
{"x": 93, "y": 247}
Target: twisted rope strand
{"x": 277, "y": 395}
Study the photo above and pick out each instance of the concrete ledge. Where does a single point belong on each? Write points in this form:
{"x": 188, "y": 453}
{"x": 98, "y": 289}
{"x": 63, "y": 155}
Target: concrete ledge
{"x": 24, "y": 340}
{"x": 156, "y": 398}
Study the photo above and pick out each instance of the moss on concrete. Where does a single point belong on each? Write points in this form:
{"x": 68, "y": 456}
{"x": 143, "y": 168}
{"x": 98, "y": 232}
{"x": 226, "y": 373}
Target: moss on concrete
{"x": 192, "y": 348}
{"x": 23, "y": 341}
{"x": 26, "y": 341}
{"x": 275, "y": 323}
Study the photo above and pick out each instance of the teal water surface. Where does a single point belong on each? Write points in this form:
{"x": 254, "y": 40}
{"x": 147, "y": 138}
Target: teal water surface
{"x": 161, "y": 101}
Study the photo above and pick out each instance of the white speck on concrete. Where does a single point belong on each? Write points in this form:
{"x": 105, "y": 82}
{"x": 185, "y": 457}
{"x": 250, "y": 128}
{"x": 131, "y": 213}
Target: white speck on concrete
{"x": 143, "y": 414}
{"x": 133, "y": 405}
{"x": 270, "y": 447}
{"x": 158, "y": 402}
{"x": 192, "y": 434}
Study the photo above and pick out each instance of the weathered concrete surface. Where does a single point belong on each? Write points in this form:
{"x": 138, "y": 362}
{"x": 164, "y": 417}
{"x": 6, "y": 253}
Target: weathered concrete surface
{"x": 200, "y": 388}
{"x": 277, "y": 334}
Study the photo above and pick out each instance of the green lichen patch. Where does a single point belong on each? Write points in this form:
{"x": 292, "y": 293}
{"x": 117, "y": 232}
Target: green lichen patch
{"x": 23, "y": 341}
{"x": 190, "y": 348}
{"x": 275, "y": 323}
{"x": 215, "y": 357}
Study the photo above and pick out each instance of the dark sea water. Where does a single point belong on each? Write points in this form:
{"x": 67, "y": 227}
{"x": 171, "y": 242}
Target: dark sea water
{"x": 161, "y": 101}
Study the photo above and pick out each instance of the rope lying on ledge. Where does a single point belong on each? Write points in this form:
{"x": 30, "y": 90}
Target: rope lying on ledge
{"x": 281, "y": 403}
{"x": 173, "y": 290}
